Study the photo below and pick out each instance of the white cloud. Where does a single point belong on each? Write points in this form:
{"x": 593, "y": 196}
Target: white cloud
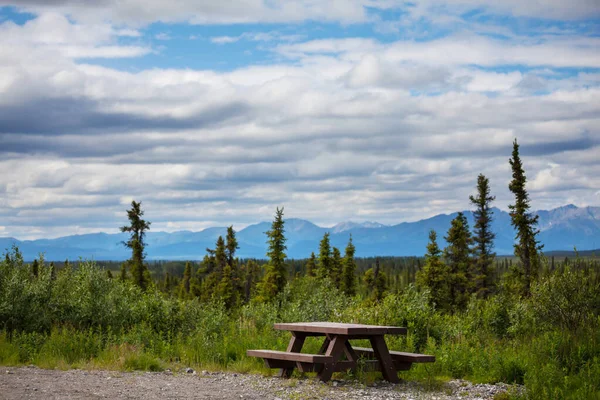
{"x": 225, "y": 39}
{"x": 397, "y": 131}
{"x": 54, "y": 33}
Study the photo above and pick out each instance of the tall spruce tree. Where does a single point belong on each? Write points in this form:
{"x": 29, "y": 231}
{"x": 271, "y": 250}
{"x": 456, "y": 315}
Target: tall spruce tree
{"x": 527, "y": 247}
{"x": 231, "y": 246}
{"x": 434, "y": 274}
{"x": 336, "y": 268}
{"x": 276, "y": 270}
{"x": 137, "y": 228}
{"x": 483, "y": 238}
{"x": 325, "y": 260}
{"x": 348, "y": 277}
{"x": 311, "y": 265}
{"x": 220, "y": 254}
{"x": 458, "y": 259}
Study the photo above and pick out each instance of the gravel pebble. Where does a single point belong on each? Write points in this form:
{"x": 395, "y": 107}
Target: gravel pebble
{"x": 34, "y": 383}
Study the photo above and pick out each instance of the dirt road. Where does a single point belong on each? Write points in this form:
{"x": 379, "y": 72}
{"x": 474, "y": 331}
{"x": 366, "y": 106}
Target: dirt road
{"x": 35, "y": 383}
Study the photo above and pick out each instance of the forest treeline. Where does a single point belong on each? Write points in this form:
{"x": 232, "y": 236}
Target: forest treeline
{"x": 528, "y": 320}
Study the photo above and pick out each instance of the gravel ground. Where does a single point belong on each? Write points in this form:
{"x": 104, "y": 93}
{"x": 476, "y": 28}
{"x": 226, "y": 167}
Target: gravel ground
{"x": 35, "y": 383}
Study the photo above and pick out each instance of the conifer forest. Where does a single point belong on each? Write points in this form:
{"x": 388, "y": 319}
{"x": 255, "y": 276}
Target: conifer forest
{"x": 527, "y": 319}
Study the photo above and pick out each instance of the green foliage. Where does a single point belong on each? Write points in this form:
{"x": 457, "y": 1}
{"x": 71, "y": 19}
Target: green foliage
{"x": 527, "y": 247}
{"x": 335, "y": 273}
{"x": 311, "y": 265}
{"x": 349, "y": 268}
{"x": 483, "y": 238}
{"x": 276, "y": 271}
{"x": 567, "y": 299}
{"x": 324, "y": 261}
{"x": 434, "y": 274}
{"x": 137, "y": 228}
{"x": 458, "y": 259}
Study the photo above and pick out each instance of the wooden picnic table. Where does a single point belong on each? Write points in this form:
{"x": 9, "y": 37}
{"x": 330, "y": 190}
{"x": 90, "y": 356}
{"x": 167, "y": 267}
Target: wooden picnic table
{"x": 336, "y": 353}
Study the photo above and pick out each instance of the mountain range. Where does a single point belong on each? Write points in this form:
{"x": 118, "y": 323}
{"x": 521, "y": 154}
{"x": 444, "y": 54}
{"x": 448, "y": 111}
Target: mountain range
{"x": 561, "y": 228}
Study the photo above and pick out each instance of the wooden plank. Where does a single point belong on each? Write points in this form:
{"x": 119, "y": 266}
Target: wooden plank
{"x": 398, "y": 355}
{"x": 402, "y": 366}
{"x": 337, "y": 328}
{"x": 294, "y": 346}
{"x": 288, "y": 356}
{"x": 271, "y": 363}
{"x": 334, "y": 350}
{"x": 385, "y": 360}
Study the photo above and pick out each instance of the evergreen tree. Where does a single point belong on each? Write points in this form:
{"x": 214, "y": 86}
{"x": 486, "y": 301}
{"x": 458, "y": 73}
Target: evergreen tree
{"x": 336, "y": 268}
{"x": 349, "y": 268}
{"x": 35, "y": 268}
{"x": 231, "y": 246}
{"x": 252, "y": 270}
{"x": 311, "y": 265}
{"x": 137, "y": 228}
{"x": 376, "y": 281}
{"x": 109, "y": 274}
{"x": 123, "y": 274}
{"x": 139, "y": 271}
{"x": 458, "y": 259}
{"x": 483, "y": 238}
{"x": 184, "y": 290}
{"x": 276, "y": 269}
{"x": 225, "y": 290}
{"x": 220, "y": 255}
{"x": 324, "y": 262}
{"x": 434, "y": 273}
{"x": 52, "y": 272}
{"x": 527, "y": 247}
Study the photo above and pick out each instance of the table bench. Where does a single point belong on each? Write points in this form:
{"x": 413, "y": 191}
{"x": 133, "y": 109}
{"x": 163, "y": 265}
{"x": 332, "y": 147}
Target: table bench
{"x": 336, "y": 353}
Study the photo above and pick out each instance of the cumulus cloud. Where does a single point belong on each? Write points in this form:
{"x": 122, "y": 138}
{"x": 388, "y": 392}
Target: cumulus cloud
{"x": 333, "y": 129}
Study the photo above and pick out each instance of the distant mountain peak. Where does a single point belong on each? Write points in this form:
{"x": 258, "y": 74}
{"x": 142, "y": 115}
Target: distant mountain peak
{"x": 346, "y": 226}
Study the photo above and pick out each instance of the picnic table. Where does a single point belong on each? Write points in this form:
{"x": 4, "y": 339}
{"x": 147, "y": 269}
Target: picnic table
{"x": 337, "y": 353}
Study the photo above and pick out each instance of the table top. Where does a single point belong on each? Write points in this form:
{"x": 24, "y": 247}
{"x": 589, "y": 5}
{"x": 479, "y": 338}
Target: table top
{"x": 338, "y": 328}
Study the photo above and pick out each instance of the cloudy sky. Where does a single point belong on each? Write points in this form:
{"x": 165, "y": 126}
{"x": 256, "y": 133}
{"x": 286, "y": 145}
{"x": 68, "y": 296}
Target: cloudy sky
{"x": 214, "y": 113}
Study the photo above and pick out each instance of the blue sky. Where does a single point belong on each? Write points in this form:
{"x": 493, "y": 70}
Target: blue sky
{"x": 215, "y": 114}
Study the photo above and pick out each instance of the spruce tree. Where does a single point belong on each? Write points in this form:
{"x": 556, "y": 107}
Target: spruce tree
{"x": 220, "y": 255}
{"x": 184, "y": 290}
{"x": 123, "y": 274}
{"x": 376, "y": 281}
{"x": 35, "y": 268}
{"x": 137, "y": 228}
{"x": 527, "y": 247}
{"x": 434, "y": 274}
{"x": 324, "y": 262}
{"x": 483, "y": 238}
{"x": 458, "y": 258}
{"x": 231, "y": 246}
{"x": 336, "y": 268}
{"x": 311, "y": 265}
{"x": 348, "y": 278}
{"x": 52, "y": 272}
{"x": 139, "y": 270}
{"x": 225, "y": 290}
{"x": 252, "y": 270}
{"x": 276, "y": 270}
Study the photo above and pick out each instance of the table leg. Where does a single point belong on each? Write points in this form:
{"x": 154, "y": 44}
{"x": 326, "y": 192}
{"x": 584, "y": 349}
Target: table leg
{"x": 295, "y": 346}
{"x": 325, "y": 345}
{"x": 385, "y": 359}
{"x": 336, "y": 347}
